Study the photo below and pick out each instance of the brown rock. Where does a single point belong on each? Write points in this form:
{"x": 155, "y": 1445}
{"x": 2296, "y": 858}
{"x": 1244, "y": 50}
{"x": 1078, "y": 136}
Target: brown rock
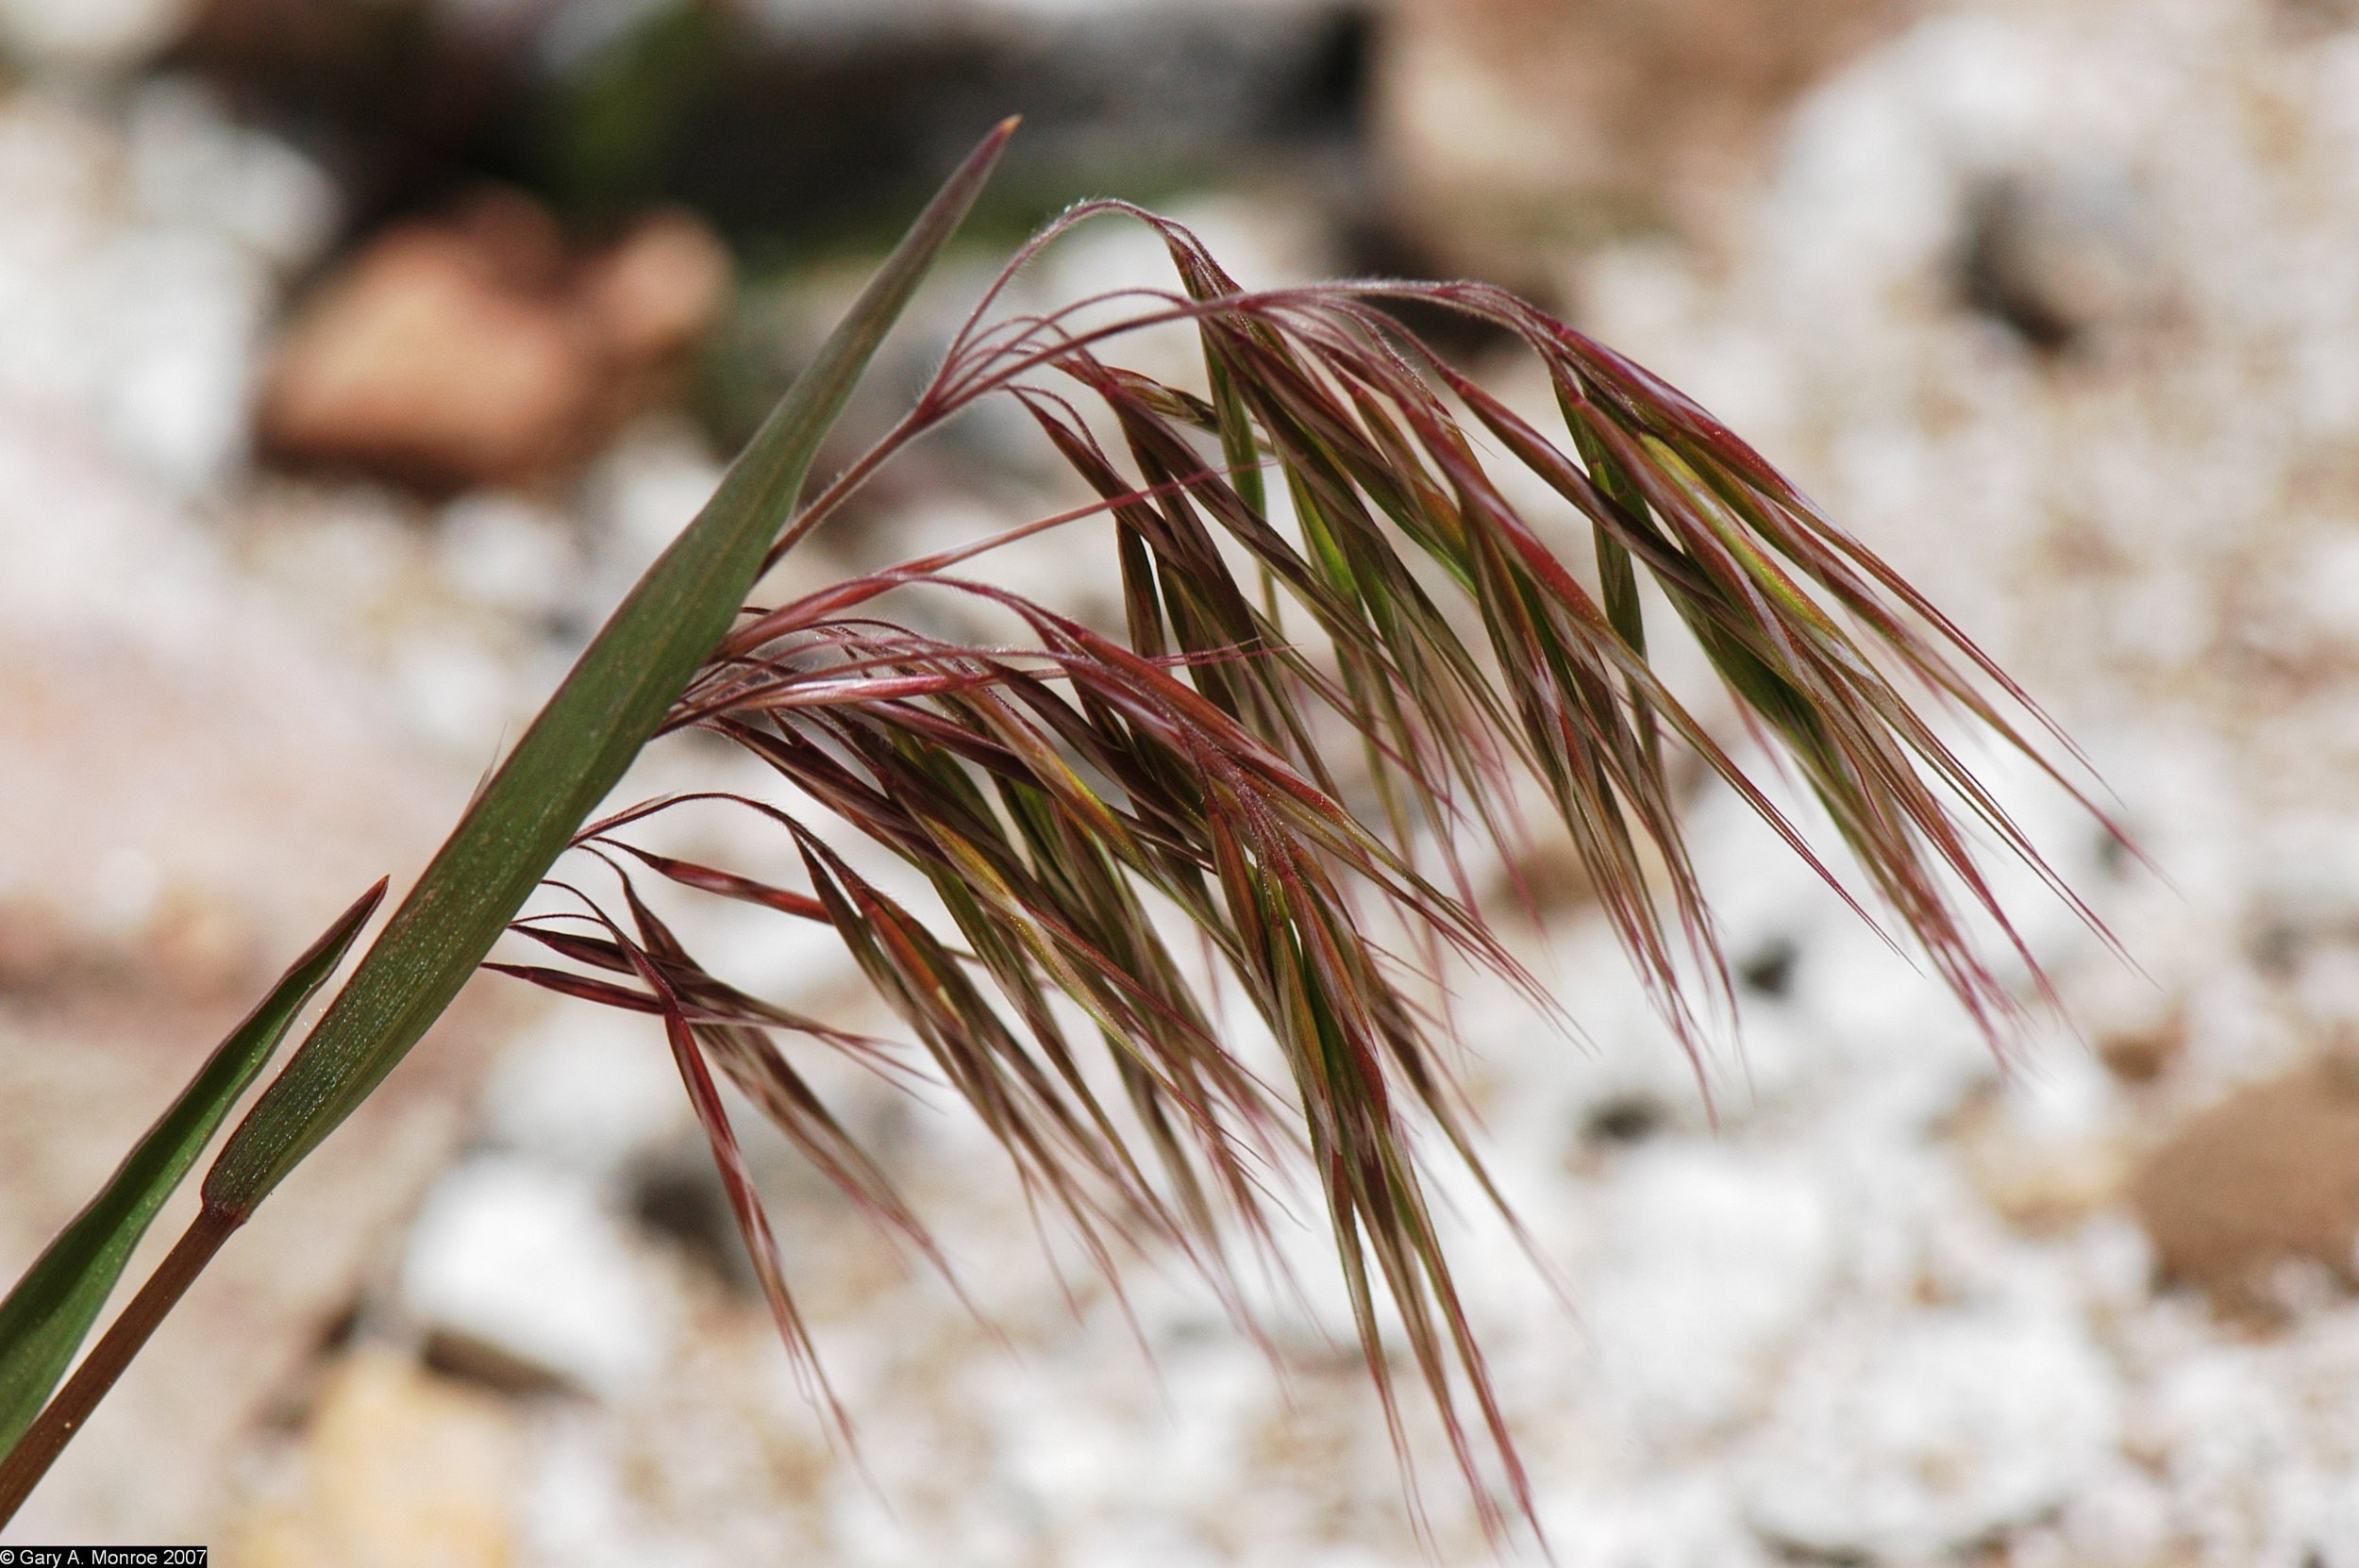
{"x": 37, "y": 947}
{"x": 2141, "y": 1055}
{"x": 2270, "y": 1175}
{"x": 1507, "y": 124}
{"x": 655, "y": 294}
{"x": 2038, "y": 1184}
{"x": 476, "y": 350}
{"x": 397, "y": 1467}
{"x": 514, "y": 240}
{"x": 189, "y": 948}
{"x": 418, "y": 363}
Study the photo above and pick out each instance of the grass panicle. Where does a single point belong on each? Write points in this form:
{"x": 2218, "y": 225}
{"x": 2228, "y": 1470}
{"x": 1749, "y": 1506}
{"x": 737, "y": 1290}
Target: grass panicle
{"x": 1317, "y": 562}
{"x": 1346, "y": 651}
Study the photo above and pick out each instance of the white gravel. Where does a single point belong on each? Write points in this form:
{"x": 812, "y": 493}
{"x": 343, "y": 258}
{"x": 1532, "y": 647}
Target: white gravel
{"x": 511, "y": 1258}
{"x": 137, "y": 272}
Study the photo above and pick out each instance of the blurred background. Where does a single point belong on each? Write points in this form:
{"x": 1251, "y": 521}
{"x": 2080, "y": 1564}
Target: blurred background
{"x": 356, "y": 354}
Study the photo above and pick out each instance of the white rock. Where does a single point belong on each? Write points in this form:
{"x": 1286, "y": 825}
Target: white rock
{"x": 587, "y": 1089}
{"x": 1714, "y": 1261}
{"x": 1905, "y": 1441}
{"x": 1680, "y": 1522}
{"x": 638, "y": 498}
{"x": 522, "y": 1261}
{"x": 90, "y": 35}
{"x": 575, "y": 1507}
{"x": 140, "y": 322}
{"x": 175, "y": 314}
{"x": 189, "y": 164}
{"x": 456, "y": 693}
{"x": 2121, "y": 1517}
{"x": 506, "y": 552}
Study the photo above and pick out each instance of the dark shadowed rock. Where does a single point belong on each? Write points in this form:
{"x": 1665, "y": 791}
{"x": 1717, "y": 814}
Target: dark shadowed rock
{"x": 2064, "y": 256}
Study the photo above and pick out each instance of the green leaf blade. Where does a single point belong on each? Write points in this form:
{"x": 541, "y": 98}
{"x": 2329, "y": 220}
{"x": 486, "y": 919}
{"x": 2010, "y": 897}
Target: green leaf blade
{"x": 45, "y": 1318}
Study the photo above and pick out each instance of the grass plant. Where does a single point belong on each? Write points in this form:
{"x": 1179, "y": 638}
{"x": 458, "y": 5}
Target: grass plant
{"x": 1348, "y": 651}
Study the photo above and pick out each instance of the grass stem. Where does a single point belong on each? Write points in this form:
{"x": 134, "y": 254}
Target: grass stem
{"x": 46, "y": 1438}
